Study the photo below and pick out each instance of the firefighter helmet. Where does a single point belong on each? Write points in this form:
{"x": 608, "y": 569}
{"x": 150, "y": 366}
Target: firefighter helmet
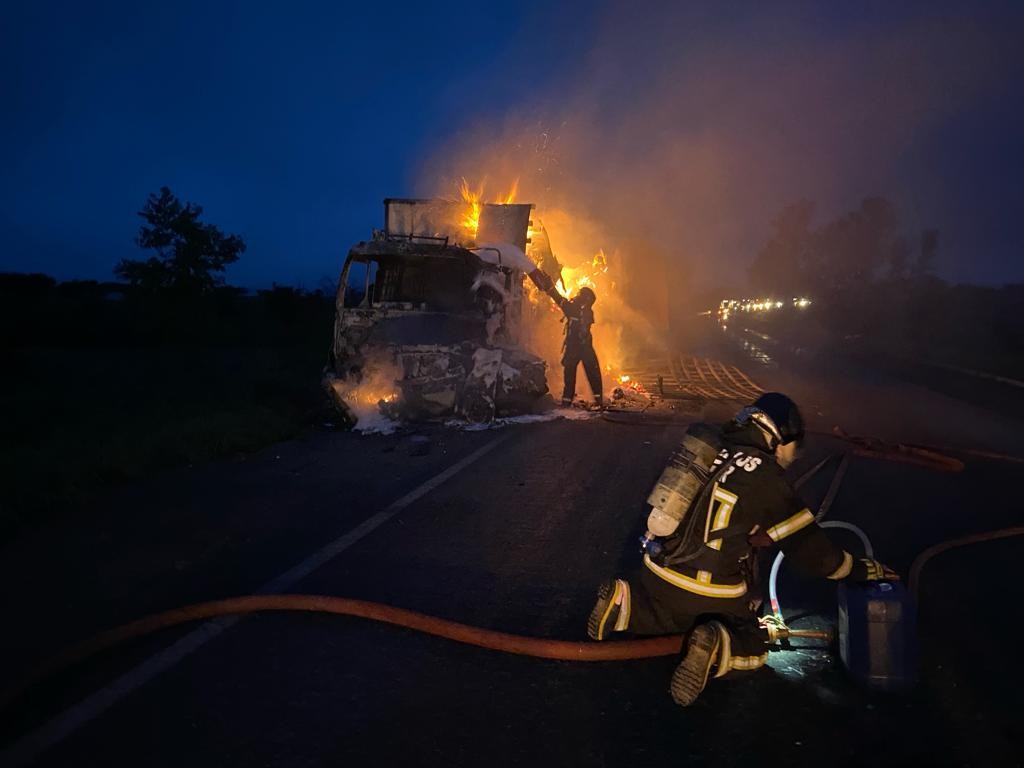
{"x": 777, "y": 416}
{"x": 586, "y": 296}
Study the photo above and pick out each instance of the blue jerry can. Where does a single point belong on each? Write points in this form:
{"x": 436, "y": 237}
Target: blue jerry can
{"x": 877, "y": 637}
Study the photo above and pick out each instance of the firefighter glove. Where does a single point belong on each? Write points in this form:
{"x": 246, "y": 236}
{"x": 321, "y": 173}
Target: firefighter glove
{"x": 866, "y": 569}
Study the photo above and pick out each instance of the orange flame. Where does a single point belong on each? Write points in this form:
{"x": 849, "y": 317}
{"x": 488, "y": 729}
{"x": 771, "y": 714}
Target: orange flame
{"x": 586, "y": 276}
{"x": 474, "y": 200}
{"x": 471, "y": 221}
{"x": 582, "y": 266}
{"x": 626, "y": 382}
{"x": 366, "y": 397}
{"x": 510, "y": 196}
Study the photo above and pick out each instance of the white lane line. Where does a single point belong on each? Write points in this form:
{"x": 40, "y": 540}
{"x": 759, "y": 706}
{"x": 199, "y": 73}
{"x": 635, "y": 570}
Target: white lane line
{"x": 972, "y": 372}
{"x": 28, "y": 749}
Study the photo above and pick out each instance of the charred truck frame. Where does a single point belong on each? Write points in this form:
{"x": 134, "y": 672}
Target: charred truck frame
{"x": 425, "y": 308}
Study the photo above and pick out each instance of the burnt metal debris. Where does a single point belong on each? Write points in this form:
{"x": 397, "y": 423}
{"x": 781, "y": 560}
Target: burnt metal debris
{"x": 438, "y": 314}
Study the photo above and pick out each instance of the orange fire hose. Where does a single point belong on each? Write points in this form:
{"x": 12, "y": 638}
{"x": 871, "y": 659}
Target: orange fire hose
{"x": 562, "y": 650}
{"x": 921, "y": 456}
{"x": 975, "y": 538}
{"x": 499, "y": 641}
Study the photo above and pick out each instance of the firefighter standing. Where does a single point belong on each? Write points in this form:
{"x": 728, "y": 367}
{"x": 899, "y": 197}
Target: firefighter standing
{"x": 578, "y": 346}
{"x": 697, "y": 583}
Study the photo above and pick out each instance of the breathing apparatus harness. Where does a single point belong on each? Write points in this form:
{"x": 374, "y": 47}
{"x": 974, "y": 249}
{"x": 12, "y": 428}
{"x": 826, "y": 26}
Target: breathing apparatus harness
{"x": 687, "y": 472}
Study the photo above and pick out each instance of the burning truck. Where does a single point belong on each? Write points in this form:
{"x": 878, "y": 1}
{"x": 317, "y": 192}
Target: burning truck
{"x": 429, "y": 316}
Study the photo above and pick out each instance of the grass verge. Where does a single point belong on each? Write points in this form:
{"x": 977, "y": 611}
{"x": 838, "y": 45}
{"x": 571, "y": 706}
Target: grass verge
{"x": 80, "y": 420}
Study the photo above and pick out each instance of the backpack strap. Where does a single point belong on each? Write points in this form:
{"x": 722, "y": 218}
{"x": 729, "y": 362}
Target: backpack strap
{"x": 689, "y": 548}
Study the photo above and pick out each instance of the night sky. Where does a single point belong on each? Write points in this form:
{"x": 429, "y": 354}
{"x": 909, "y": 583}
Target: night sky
{"x": 289, "y": 124}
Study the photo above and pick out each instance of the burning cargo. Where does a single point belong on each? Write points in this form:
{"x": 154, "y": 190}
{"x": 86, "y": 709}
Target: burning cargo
{"x": 429, "y": 316}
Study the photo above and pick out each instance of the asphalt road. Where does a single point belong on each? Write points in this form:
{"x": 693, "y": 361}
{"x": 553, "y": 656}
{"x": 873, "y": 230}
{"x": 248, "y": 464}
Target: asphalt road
{"x": 514, "y": 539}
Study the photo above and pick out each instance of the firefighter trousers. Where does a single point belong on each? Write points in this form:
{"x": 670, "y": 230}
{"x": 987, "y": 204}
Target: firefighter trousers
{"x": 571, "y": 358}
{"x": 655, "y": 607}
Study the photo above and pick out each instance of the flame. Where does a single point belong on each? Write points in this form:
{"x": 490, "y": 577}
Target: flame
{"x": 474, "y": 200}
{"x": 471, "y": 220}
{"x": 576, "y": 243}
{"x": 372, "y": 396}
{"x": 626, "y": 382}
{"x": 589, "y": 275}
{"x": 368, "y": 396}
{"x": 510, "y": 196}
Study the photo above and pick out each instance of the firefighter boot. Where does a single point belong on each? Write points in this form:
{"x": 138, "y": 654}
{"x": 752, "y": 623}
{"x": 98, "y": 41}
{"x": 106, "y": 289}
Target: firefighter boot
{"x": 611, "y": 611}
{"x": 691, "y": 675}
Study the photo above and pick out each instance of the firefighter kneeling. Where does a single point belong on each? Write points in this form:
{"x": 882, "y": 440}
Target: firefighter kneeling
{"x": 723, "y": 493}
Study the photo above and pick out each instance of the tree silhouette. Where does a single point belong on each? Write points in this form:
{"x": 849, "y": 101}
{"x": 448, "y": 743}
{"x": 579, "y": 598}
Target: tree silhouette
{"x": 190, "y": 255}
{"x": 929, "y": 248}
{"x": 899, "y": 258}
{"x": 854, "y": 247}
{"x": 783, "y": 265}
{"x": 847, "y": 253}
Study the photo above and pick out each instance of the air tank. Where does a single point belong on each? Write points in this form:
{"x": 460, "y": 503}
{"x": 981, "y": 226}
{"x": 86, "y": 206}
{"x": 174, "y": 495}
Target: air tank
{"x": 682, "y": 479}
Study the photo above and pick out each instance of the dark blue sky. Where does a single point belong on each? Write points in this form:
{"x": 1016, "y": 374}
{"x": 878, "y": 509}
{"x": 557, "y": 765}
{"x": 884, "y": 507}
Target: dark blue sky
{"x": 289, "y": 124}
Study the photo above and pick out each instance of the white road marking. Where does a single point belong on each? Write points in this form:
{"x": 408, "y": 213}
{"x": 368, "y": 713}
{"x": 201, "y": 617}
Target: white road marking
{"x": 27, "y": 749}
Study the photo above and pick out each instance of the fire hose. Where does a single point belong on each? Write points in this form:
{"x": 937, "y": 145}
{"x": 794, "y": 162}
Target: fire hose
{"x": 914, "y": 577}
{"x": 926, "y": 456}
{"x": 918, "y": 455}
{"x": 545, "y": 648}
{"x": 913, "y": 581}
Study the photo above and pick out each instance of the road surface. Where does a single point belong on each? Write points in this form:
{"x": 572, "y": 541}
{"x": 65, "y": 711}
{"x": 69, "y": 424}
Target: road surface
{"x": 509, "y": 529}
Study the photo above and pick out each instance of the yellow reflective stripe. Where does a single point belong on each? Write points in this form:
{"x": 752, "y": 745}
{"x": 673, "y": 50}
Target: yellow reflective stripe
{"x": 726, "y": 502}
{"x": 844, "y": 567}
{"x": 624, "y": 609}
{"x": 748, "y": 662}
{"x": 724, "y": 649}
{"x": 616, "y": 596}
{"x": 790, "y": 525}
{"x": 707, "y": 588}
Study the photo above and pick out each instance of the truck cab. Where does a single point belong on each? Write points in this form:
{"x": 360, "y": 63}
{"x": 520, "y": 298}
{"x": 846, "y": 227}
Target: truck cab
{"x": 424, "y": 302}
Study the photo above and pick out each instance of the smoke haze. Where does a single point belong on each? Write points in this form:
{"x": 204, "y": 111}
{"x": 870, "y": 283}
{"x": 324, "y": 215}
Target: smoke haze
{"x": 679, "y": 134}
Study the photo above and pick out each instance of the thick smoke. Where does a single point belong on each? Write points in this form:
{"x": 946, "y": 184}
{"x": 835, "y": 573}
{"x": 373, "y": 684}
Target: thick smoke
{"x": 679, "y": 134}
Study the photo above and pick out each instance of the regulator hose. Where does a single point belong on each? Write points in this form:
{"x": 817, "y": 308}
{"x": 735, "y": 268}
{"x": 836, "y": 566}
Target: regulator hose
{"x": 826, "y": 505}
{"x": 773, "y": 595}
{"x": 543, "y": 648}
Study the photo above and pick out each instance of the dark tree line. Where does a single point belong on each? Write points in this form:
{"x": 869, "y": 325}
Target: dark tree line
{"x": 842, "y": 255}
{"x": 875, "y": 286}
{"x": 177, "y": 295}
{"x": 190, "y": 255}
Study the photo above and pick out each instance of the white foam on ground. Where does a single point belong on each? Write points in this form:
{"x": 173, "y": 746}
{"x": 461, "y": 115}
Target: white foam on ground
{"x": 569, "y": 414}
{"x": 375, "y": 423}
